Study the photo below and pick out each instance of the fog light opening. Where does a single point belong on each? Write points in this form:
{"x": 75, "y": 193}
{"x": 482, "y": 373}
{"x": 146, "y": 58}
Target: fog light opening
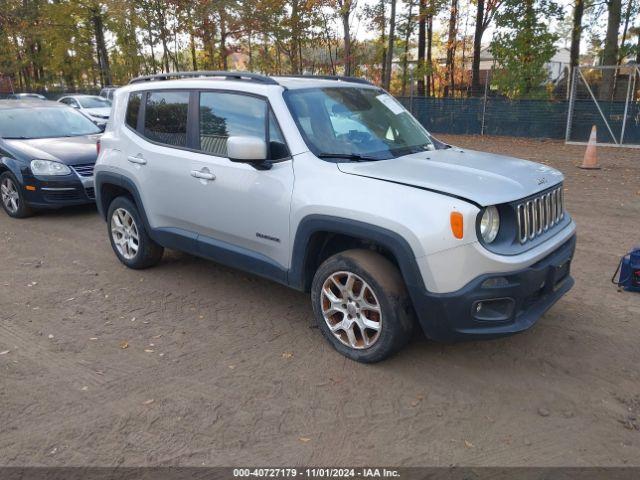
{"x": 494, "y": 309}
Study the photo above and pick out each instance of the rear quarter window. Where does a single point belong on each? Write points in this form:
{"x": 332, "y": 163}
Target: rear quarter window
{"x": 133, "y": 109}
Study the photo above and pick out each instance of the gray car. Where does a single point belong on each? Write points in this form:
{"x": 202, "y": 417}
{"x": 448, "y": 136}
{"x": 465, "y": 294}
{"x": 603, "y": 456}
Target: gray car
{"x": 26, "y": 96}
{"x": 96, "y": 108}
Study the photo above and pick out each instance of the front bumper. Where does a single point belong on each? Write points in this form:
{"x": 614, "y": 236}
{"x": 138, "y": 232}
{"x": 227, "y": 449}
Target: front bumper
{"x": 56, "y": 192}
{"x": 495, "y": 305}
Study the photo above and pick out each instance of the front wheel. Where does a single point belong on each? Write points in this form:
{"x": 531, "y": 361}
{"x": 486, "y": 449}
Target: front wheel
{"x": 129, "y": 238}
{"x": 361, "y": 305}
{"x": 12, "y": 198}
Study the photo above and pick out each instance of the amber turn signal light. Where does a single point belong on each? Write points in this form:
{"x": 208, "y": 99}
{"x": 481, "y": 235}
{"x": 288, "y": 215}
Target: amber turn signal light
{"x": 31, "y": 188}
{"x": 457, "y": 224}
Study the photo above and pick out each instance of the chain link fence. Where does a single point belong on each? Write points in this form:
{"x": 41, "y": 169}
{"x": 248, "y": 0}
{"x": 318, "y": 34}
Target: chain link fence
{"x": 565, "y": 113}
{"x": 491, "y": 116}
{"x": 609, "y": 98}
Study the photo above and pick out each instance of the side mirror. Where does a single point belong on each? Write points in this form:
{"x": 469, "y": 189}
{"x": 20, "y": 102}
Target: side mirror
{"x": 247, "y": 149}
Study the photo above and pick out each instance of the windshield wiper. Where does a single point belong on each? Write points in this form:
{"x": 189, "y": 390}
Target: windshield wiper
{"x": 356, "y": 157}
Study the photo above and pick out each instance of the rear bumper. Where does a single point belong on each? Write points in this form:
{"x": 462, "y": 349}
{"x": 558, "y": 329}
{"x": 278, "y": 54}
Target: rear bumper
{"x": 495, "y": 305}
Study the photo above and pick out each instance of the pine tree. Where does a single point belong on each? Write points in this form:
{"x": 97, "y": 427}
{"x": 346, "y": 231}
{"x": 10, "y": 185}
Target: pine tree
{"x": 523, "y": 45}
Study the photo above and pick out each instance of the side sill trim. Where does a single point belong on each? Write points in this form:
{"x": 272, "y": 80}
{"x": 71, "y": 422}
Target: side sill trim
{"x": 220, "y": 252}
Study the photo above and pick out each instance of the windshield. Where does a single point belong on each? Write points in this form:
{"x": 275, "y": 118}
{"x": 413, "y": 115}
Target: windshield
{"x": 44, "y": 123}
{"x": 94, "y": 102}
{"x": 356, "y": 123}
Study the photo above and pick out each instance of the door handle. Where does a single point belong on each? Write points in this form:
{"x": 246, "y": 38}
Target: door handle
{"x": 138, "y": 160}
{"x": 203, "y": 175}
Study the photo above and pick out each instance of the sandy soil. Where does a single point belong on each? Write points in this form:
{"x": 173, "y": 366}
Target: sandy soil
{"x": 221, "y": 368}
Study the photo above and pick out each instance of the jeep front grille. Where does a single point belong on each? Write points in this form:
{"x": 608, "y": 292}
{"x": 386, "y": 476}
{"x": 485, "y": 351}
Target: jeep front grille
{"x": 538, "y": 214}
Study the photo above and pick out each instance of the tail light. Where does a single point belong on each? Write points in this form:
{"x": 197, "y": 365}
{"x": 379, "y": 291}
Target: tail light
{"x": 98, "y": 147}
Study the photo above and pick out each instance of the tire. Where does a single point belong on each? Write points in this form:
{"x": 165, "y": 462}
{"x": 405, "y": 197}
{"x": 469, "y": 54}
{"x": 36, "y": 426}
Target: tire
{"x": 11, "y": 197}
{"x": 365, "y": 279}
{"x": 129, "y": 238}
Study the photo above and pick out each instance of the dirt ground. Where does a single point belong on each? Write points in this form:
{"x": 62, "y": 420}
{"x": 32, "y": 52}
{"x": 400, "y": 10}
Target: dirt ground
{"x": 191, "y": 363}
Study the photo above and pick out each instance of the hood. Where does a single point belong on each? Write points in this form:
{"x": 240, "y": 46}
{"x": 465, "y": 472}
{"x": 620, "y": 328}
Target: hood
{"x": 483, "y": 178}
{"x": 102, "y": 112}
{"x": 67, "y": 150}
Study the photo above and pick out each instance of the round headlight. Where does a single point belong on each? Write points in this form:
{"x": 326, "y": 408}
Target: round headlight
{"x": 490, "y": 224}
{"x": 47, "y": 167}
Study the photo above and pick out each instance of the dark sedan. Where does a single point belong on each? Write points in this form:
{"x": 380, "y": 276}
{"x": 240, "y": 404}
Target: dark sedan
{"x": 47, "y": 155}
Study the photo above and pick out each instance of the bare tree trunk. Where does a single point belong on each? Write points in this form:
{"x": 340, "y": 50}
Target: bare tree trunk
{"x": 431, "y": 88}
{"x": 345, "y": 12}
{"x": 405, "y": 56}
{"x": 295, "y": 34}
{"x": 101, "y": 48}
{"x": 422, "y": 41}
{"x": 576, "y": 34}
{"x": 328, "y": 39}
{"x": 192, "y": 45}
{"x": 627, "y": 17}
{"x": 386, "y": 84}
{"x": 223, "y": 43}
{"x": 250, "y": 45}
{"x": 300, "y": 60}
{"x": 383, "y": 37}
{"x": 451, "y": 50}
{"x": 476, "y": 87}
{"x": 610, "y": 53}
{"x": 151, "y": 42}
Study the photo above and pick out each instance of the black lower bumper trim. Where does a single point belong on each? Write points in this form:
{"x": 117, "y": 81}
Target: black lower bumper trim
{"x": 496, "y": 305}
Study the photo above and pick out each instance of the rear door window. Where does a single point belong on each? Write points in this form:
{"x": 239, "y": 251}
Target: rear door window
{"x": 166, "y": 116}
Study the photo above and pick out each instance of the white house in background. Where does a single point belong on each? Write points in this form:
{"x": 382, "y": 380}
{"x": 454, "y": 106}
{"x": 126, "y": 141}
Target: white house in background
{"x": 557, "y": 67}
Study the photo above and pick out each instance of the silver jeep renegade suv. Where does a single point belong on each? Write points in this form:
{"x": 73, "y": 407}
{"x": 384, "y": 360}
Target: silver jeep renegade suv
{"x": 328, "y": 185}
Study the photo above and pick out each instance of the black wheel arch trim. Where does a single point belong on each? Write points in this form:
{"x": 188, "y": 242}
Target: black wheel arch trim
{"x": 102, "y": 178}
{"x": 14, "y": 166}
{"x": 311, "y": 224}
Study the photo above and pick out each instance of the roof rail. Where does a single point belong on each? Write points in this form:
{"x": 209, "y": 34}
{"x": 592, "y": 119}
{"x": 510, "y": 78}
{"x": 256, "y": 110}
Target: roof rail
{"x": 338, "y": 78}
{"x": 253, "y": 77}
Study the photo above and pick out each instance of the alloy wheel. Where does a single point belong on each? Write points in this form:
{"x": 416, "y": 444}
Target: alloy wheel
{"x": 10, "y": 195}
{"x": 351, "y": 310}
{"x": 124, "y": 232}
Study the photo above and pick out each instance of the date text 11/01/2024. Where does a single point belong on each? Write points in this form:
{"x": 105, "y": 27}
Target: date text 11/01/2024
{"x": 316, "y": 472}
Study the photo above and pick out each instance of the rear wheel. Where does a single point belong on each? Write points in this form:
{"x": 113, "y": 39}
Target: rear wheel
{"x": 11, "y": 197}
{"x": 129, "y": 239}
{"x": 361, "y": 305}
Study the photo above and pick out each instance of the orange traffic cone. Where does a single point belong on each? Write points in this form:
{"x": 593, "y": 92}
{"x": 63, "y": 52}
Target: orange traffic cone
{"x": 590, "y": 161}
